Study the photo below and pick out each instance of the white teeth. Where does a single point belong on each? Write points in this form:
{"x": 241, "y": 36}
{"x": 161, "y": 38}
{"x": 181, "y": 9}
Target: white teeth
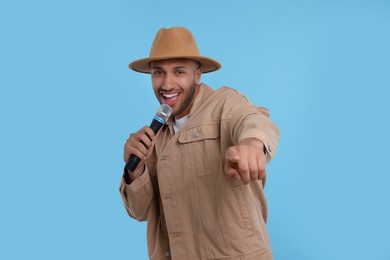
{"x": 166, "y": 95}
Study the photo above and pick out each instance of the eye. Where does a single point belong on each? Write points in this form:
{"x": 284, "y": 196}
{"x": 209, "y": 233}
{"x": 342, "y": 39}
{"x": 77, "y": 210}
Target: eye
{"x": 180, "y": 72}
{"x": 157, "y": 72}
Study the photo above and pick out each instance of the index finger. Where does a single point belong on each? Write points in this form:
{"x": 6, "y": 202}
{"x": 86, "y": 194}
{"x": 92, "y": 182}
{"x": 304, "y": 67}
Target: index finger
{"x": 243, "y": 169}
{"x": 149, "y": 132}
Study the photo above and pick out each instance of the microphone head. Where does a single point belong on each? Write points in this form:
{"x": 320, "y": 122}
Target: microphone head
{"x": 164, "y": 112}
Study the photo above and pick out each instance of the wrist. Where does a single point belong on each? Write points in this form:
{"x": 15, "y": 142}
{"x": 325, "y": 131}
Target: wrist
{"x": 131, "y": 176}
{"x": 252, "y": 141}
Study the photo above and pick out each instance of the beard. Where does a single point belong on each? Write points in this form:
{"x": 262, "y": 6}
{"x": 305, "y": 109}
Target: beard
{"x": 189, "y": 99}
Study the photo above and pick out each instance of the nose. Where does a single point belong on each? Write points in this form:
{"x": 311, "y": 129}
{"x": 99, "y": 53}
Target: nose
{"x": 167, "y": 82}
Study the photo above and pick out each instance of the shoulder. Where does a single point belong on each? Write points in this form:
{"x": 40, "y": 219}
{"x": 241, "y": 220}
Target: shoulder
{"x": 224, "y": 97}
{"x": 231, "y": 95}
{"x": 227, "y": 90}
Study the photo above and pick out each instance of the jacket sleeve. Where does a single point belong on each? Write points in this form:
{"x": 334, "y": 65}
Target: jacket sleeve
{"x": 247, "y": 120}
{"x": 137, "y": 196}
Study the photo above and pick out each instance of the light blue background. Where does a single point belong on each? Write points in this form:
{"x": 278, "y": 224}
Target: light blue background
{"x": 68, "y": 103}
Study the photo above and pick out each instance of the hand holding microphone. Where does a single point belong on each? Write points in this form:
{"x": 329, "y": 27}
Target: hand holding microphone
{"x": 140, "y": 144}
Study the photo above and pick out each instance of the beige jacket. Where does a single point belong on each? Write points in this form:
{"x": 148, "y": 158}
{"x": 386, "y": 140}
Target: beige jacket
{"x": 193, "y": 211}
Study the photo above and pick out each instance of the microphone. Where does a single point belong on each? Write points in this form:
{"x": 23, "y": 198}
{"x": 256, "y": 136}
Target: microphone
{"x": 162, "y": 115}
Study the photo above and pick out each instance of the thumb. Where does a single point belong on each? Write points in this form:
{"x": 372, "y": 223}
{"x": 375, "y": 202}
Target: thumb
{"x": 232, "y": 159}
{"x": 232, "y": 155}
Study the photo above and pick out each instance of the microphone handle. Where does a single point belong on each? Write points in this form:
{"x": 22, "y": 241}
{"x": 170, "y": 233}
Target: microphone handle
{"x": 133, "y": 161}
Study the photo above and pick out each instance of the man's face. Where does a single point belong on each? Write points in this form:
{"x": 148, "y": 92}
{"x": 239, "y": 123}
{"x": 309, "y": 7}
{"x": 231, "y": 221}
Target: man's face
{"x": 175, "y": 84}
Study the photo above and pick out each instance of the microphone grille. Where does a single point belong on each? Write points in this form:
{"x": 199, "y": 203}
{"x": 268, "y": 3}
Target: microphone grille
{"x": 164, "y": 112}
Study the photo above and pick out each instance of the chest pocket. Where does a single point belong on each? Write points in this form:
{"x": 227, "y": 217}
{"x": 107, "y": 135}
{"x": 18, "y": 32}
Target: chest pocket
{"x": 200, "y": 148}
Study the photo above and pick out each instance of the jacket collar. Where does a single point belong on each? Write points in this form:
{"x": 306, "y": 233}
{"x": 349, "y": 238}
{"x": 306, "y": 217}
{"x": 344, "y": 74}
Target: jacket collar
{"x": 204, "y": 92}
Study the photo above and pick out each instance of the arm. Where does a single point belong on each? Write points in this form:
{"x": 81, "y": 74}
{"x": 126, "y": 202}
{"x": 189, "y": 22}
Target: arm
{"x": 137, "y": 196}
{"x": 246, "y": 161}
{"x": 255, "y": 139}
{"x": 136, "y": 187}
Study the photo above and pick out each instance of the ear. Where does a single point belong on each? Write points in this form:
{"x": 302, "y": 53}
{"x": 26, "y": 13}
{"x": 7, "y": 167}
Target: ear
{"x": 198, "y": 75}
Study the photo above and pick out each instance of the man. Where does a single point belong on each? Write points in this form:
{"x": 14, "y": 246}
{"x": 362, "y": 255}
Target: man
{"x": 200, "y": 181}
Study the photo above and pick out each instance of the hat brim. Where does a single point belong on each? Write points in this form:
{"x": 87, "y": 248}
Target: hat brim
{"x": 206, "y": 64}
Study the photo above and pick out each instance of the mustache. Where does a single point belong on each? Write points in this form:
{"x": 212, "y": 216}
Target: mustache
{"x": 166, "y": 90}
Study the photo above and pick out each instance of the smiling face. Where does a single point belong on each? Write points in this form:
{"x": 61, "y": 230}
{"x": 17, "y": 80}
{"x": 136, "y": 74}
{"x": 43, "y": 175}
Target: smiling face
{"x": 175, "y": 83}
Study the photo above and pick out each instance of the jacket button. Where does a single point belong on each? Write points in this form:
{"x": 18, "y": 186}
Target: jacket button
{"x": 167, "y": 253}
{"x": 197, "y": 134}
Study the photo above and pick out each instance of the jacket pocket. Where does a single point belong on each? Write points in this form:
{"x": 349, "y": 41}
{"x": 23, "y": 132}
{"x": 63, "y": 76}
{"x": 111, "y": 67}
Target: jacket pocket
{"x": 246, "y": 209}
{"x": 201, "y": 148}
{"x": 245, "y": 234}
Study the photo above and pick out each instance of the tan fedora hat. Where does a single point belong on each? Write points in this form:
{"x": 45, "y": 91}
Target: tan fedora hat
{"x": 173, "y": 43}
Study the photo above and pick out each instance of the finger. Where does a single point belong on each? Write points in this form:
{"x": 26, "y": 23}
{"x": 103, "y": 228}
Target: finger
{"x": 232, "y": 155}
{"x": 261, "y": 160}
{"x": 127, "y": 148}
{"x": 262, "y": 175}
{"x": 138, "y": 144}
{"x": 130, "y": 149}
{"x": 150, "y": 151}
{"x": 243, "y": 169}
{"x": 237, "y": 177}
{"x": 261, "y": 169}
{"x": 141, "y": 142}
{"x": 232, "y": 173}
{"x": 231, "y": 169}
{"x": 253, "y": 168}
{"x": 145, "y": 140}
{"x": 232, "y": 158}
{"x": 146, "y": 136}
{"x": 149, "y": 132}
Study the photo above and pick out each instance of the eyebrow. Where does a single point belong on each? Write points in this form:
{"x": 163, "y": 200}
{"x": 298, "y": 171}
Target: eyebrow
{"x": 176, "y": 67}
{"x": 180, "y": 67}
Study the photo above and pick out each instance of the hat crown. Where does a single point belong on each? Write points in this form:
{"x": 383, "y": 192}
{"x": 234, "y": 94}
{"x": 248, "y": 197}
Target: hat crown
{"x": 175, "y": 41}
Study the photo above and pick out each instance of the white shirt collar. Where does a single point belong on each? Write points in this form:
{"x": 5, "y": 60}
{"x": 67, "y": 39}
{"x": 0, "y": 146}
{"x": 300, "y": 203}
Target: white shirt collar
{"x": 178, "y": 123}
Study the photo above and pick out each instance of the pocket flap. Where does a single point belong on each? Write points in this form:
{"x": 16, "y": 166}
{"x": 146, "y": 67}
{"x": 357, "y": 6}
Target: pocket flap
{"x": 202, "y": 132}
